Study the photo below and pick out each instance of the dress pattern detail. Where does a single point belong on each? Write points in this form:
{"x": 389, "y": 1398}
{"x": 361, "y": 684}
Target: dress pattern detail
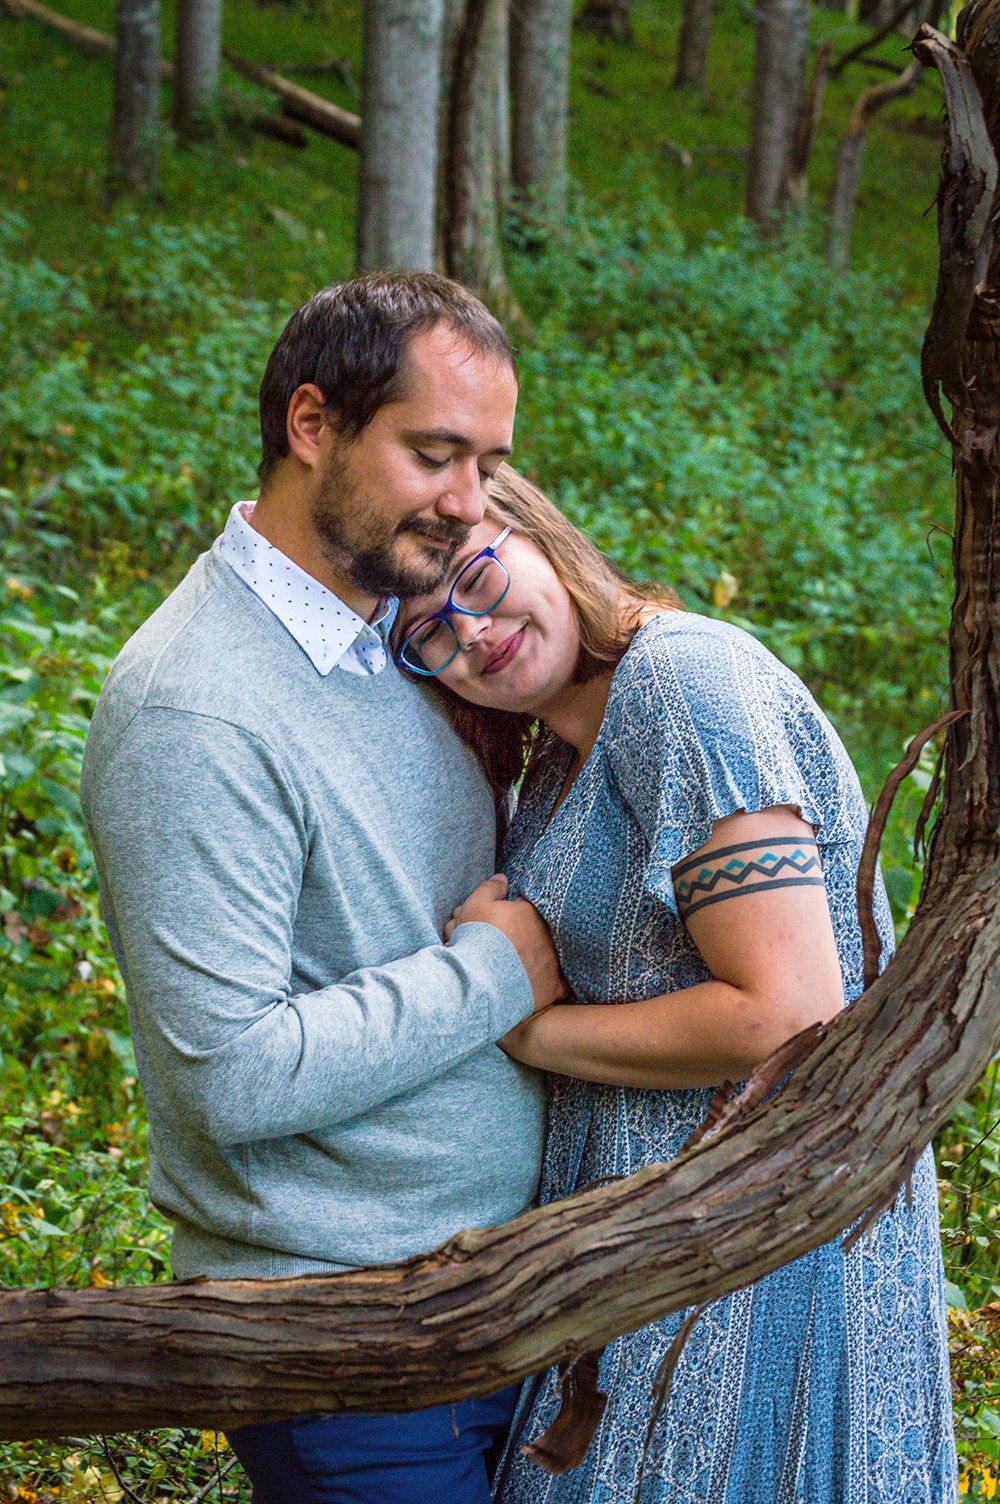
{"x": 827, "y": 1381}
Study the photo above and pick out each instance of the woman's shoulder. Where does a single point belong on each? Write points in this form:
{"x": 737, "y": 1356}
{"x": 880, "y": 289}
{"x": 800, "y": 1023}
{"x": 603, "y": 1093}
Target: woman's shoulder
{"x": 697, "y": 664}
{"x": 703, "y": 705}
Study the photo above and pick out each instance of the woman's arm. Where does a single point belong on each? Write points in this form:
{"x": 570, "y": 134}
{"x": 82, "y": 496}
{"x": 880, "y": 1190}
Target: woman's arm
{"x": 754, "y": 903}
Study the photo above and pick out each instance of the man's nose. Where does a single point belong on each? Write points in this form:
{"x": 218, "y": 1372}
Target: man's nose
{"x": 463, "y": 496}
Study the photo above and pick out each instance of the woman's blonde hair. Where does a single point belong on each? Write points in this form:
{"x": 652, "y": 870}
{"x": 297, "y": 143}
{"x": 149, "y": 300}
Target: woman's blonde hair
{"x": 608, "y": 606}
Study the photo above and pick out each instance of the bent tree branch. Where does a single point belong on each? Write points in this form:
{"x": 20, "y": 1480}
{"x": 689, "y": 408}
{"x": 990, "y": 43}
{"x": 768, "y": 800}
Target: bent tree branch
{"x": 756, "y": 1191}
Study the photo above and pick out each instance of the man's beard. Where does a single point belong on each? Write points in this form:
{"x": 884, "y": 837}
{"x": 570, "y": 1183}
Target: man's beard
{"x": 362, "y": 544}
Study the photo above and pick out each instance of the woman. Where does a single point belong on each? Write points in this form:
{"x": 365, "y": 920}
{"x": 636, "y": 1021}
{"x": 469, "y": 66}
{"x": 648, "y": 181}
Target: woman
{"x": 689, "y": 827}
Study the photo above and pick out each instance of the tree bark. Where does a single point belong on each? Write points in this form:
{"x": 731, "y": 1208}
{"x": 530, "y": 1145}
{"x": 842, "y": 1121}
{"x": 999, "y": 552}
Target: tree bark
{"x": 197, "y": 58}
{"x": 769, "y": 1179}
{"x": 473, "y": 253}
{"x": 692, "y": 50}
{"x": 609, "y": 18}
{"x": 847, "y": 172}
{"x": 779, "y": 82}
{"x": 134, "y": 160}
{"x": 539, "y": 73}
{"x": 797, "y": 178}
{"x": 400, "y": 90}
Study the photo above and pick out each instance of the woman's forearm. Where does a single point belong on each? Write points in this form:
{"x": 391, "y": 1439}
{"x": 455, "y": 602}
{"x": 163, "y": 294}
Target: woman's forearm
{"x": 700, "y": 1036}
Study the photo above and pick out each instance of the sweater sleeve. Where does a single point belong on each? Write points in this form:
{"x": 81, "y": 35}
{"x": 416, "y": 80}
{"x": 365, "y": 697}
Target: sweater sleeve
{"x": 202, "y": 840}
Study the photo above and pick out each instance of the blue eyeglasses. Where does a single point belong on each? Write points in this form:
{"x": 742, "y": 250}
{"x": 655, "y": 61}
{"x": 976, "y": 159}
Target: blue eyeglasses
{"x": 433, "y": 643}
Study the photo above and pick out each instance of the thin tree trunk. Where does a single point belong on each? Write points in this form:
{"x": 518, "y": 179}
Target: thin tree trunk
{"x": 847, "y": 172}
{"x": 134, "y": 162}
{"x": 503, "y": 162}
{"x": 692, "y": 50}
{"x": 779, "y": 81}
{"x": 609, "y": 18}
{"x": 797, "y": 182}
{"x": 400, "y": 90}
{"x": 197, "y": 58}
{"x": 540, "y": 41}
{"x": 895, "y": 22}
{"x": 473, "y": 253}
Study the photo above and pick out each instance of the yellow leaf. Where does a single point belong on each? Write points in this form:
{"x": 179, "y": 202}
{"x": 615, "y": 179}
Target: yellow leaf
{"x": 98, "y": 1281}
{"x": 724, "y": 589}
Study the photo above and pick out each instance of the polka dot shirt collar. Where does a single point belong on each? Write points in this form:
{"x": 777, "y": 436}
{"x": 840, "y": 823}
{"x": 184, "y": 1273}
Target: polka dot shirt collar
{"x": 327, "y": 630}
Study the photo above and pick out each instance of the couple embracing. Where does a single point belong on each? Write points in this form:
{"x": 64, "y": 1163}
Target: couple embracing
{"x": 354, "y": 1039}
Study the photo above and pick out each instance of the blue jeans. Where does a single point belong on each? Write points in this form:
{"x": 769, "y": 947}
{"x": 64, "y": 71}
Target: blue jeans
{"x": 435, "y": 1456}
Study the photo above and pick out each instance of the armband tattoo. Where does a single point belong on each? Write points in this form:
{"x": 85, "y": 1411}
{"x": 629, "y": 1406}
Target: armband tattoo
{"x": 751, "y": 867}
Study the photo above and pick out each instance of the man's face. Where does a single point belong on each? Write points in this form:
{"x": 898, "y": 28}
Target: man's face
{"x": 394, "y": 505}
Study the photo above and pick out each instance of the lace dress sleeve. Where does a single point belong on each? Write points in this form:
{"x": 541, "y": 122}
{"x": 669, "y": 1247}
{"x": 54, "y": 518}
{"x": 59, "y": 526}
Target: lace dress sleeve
{"x": 705, "y": 722}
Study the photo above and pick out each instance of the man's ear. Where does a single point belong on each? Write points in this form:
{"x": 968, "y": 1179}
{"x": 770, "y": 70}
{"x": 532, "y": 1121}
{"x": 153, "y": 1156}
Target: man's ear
{"x": 306, "y": 424}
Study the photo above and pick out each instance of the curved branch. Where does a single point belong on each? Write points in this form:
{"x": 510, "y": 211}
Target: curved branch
{"x": 567, "y": 1277}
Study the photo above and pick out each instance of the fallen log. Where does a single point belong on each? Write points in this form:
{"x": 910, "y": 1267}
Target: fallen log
{"x": 95, "y": 43}
{"x": 302, "y": 104}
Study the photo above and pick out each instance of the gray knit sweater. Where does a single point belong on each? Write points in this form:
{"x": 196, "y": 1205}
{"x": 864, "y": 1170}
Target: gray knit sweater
{"x": 277, "y": 854}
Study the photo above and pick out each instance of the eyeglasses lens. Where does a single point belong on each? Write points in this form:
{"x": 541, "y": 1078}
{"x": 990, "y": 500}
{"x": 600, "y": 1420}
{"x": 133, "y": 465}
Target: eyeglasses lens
{"x": 480, "y": 587}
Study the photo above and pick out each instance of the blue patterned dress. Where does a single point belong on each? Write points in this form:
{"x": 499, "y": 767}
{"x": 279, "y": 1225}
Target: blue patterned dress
{"x": 827, "y": 1381}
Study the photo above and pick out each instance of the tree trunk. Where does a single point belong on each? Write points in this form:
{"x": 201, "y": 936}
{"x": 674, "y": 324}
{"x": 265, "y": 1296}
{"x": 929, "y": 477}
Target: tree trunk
{"x": 502, "y": 158}
{"x": 609, "y": 18}
{"x": 797, "y": 179}
{"x": 99, "y": 44}
{"x": 134, "y": 162}
{"x": 692, "y": 50}
{"x": 779, "y": 81}
{"x": 772, "y": 1177}
{"x": 847, "y": 172}
{"x": 400, "y": 89}
{"x": 473, "y": 253}
{"x": 877, "y": 13}
{"x": 197, "y": 57}
{"x": 540, "y": 40}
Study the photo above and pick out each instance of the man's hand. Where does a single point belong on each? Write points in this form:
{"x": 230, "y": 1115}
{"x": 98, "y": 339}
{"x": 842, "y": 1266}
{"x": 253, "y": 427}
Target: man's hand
{"x": 524, "y": 927}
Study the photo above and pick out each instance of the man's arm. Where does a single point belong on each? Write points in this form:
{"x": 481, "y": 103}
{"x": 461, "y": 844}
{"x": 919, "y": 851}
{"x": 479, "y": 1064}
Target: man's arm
{"x": 202, "y": 842}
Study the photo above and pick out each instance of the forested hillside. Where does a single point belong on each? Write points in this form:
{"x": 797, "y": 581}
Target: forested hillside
{"x": 721, "y": 409}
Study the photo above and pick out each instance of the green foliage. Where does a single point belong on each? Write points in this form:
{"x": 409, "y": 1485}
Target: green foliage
{"x": 739, "y": 421}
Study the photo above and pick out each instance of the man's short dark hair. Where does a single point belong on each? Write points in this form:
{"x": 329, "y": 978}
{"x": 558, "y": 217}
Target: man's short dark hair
{"x": 351, "y": 339}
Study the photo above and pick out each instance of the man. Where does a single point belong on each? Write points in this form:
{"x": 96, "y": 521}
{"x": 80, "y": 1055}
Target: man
{"x": 282, "y": 825}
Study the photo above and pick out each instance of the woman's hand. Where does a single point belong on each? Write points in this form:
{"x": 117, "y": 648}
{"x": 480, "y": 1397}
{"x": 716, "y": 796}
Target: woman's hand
{"x": 524, "y": 927}
{"x": 770, "y": 947}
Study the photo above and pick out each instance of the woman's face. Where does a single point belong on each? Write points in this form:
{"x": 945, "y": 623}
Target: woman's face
{"x": 524, "y": 652}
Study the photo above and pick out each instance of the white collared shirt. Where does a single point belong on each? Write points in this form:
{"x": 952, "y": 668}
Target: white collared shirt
{"x": 327, "y": 630}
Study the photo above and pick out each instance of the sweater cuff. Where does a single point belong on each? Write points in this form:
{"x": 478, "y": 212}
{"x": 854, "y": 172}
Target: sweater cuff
{"x": 491, "y": 957}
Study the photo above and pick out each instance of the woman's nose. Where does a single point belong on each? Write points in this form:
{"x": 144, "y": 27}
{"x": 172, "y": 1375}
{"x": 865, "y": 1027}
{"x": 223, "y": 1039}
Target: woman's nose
{"x": 468, "y": 629}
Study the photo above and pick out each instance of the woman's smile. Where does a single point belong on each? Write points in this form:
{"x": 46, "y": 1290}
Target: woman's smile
{"x": 504, "y": 653}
